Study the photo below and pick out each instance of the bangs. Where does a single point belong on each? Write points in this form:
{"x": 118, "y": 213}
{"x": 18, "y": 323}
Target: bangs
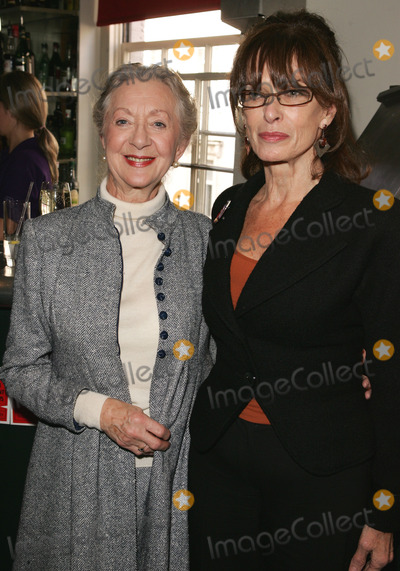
{"x": 292, "y": 59}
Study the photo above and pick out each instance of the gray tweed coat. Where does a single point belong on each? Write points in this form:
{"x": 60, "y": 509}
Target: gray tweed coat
{"x": 79, "y": 510}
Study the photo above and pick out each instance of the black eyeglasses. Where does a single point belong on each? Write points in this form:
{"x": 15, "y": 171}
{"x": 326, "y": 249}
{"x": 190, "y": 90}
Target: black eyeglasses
{"x": 250, "y": 99}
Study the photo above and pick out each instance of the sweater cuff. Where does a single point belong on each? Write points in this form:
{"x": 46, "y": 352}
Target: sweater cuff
{"x": 88, "y": 408}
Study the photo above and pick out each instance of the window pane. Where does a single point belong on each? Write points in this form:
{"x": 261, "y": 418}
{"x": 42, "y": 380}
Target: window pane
{"x": 147, "y": 57}
{"x": 189, "y": 86}
{"x": 220, "y": 151}
{"x": 177, "y": 182}
{"x": 222, "y": 58}
{"x": 185, "y": 59}
{"x": 220, "y": 115}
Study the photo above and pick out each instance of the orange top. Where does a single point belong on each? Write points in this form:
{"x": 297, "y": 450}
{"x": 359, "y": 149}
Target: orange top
{"x": 241, "y": 268}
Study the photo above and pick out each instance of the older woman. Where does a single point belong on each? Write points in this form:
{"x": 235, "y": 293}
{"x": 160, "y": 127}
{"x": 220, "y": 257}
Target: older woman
{"x": 290, "y": 467}
{"x": 107, "y": 347}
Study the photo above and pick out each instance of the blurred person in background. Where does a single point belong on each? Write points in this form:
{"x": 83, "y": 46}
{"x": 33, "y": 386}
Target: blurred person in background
{"x": 30, "y": 153}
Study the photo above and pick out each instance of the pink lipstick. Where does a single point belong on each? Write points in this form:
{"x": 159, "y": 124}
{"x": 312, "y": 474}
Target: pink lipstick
{"x": 139, "y": 162}
{"x": 273, "y": 137}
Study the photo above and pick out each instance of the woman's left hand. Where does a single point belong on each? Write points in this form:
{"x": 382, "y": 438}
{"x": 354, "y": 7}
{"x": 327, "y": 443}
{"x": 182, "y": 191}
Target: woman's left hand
{"x": 378, "y": 545}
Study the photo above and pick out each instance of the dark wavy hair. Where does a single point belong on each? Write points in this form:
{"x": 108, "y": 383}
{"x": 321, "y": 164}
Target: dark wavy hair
{"x": 306, "y": 38}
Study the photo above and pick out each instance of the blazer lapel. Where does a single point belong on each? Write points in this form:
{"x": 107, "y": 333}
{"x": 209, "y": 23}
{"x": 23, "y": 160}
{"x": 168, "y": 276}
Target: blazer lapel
{"x": 222, "y": 243}
{"x": 307, "y": 241}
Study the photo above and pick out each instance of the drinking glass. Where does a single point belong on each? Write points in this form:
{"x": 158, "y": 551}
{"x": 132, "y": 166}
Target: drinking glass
{"x": 64, "y": 186}
{"x": 44, "y": 200}
{"x": 13, "y": 213}
{"x": 54, "y": 196}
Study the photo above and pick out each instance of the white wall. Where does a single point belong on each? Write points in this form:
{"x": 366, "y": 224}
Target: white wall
{"x": 358, "y": 25}
{"x": 89, "y": 61}
{"x": 98, "y": 53}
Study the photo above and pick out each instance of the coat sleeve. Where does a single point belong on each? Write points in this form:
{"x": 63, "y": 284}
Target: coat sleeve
{"x": 378, "y": 299}
{"x": 29, "y": 371}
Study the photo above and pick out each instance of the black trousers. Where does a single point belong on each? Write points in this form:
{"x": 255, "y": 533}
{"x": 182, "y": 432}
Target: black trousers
{"x": 256, "y": 509}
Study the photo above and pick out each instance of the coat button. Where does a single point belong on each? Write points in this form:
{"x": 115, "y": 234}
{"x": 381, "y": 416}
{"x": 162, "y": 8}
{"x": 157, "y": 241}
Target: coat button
{"x": 161, "y": 236}
{"x": 163, "y": 315}
{"x": 161, "y": 353}
{"x": 164, "y": 335}
{"x": 159, "y": 281}
{"x": 160, "y": 267}
{"x": 168, "y": 252}
{"x": 160, "y": 297}
{"x": 249, "y": 377}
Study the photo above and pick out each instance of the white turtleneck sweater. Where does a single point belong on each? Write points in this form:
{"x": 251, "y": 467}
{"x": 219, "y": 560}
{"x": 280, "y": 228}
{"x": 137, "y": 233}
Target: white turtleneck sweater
{"x": 138, "y": 326}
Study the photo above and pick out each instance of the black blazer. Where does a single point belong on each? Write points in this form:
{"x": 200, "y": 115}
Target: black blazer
{"x": 327, "y": 287}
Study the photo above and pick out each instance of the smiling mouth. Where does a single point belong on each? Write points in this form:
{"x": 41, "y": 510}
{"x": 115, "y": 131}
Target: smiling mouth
{"x": 139, "y": 161}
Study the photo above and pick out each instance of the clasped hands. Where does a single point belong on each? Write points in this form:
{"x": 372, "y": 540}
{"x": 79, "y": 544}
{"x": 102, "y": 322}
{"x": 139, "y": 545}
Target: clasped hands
{"x": 131, "y": 428}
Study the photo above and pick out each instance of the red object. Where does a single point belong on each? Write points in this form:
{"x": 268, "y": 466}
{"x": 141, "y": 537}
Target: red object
{"x": 10, "y": 413}
{"x": 3, "y": 403}
{"x": 122, "y": 11}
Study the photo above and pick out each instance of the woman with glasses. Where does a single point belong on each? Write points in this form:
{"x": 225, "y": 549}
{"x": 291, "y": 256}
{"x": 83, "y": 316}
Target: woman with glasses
{"x": 290, "y": 467}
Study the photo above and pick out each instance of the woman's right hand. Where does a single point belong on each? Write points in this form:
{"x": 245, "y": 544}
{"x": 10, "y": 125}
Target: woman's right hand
{"x": 130, "y": 428}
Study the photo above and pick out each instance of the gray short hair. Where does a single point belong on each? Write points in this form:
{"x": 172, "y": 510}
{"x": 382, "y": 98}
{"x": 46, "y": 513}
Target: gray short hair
{"x": 185, "y": 105}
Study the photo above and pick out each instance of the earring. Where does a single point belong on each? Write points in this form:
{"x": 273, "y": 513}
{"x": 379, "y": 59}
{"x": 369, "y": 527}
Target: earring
{"x": 246, "y": 141}
{"x": 322, "y": 146}
{"x": 175, "y": 164}
{"x": 323, "y": 141}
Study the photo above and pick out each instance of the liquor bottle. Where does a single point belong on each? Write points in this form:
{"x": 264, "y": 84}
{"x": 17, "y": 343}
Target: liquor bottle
{"x": 43, "y": 68}
{"x": 29, "y": 55}
{"x": 22, "y": 49}
{"x": 55, "y": 68}
{"x": 70, "y": 82}
{"x": 67, "y": 136}
{"x": 9, "y": 51}
{"x": 58, "y": 121}
{"x": 73, "y": 185}
{"x": 15, "y": 33}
